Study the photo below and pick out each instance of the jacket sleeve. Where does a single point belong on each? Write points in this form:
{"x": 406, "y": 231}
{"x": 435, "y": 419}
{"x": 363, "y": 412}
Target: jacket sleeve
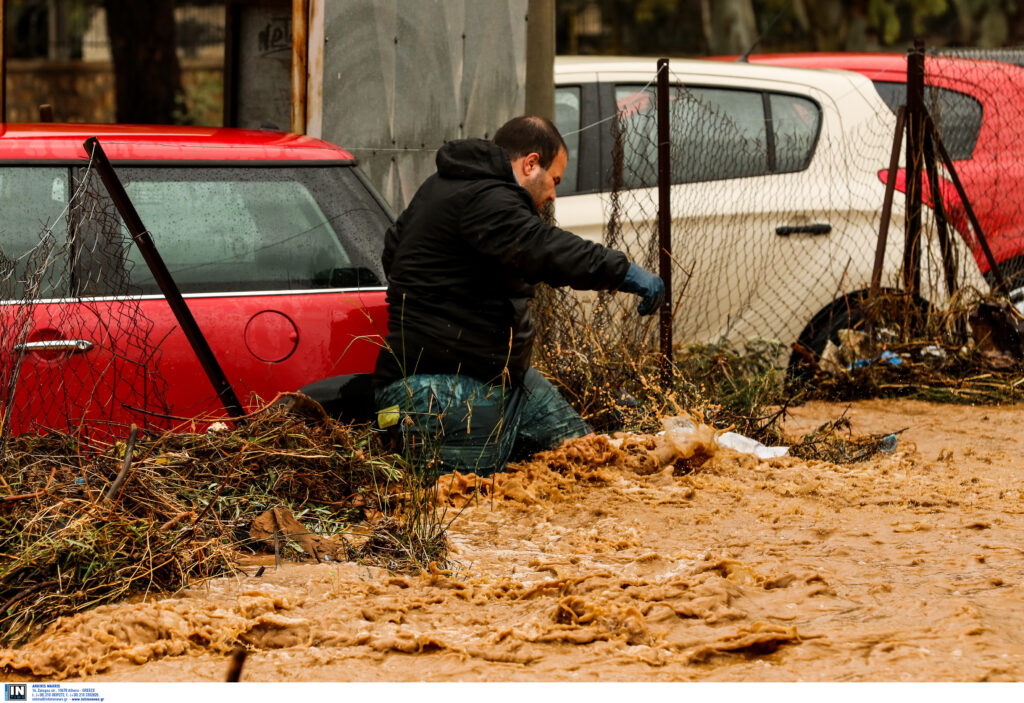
{"x": 391, "y": 239}
{"x": 500, "y": 225}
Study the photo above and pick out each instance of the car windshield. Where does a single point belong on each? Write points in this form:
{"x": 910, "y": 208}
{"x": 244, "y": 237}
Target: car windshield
{"x": 240, "y": 229}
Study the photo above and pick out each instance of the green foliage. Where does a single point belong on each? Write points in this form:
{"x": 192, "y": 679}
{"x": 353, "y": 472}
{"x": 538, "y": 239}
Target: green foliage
{"x": 681, "y": 27}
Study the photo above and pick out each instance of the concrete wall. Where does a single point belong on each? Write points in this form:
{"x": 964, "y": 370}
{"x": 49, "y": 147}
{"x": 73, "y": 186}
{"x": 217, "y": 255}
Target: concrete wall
{"x": 399, "y": 78}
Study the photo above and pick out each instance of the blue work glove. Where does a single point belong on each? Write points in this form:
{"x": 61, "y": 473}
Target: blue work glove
{"x": 645, "y": 284}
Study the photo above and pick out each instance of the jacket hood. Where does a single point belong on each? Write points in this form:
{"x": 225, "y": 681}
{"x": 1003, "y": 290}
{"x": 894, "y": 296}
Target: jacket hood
{"x": 474, "y": 158}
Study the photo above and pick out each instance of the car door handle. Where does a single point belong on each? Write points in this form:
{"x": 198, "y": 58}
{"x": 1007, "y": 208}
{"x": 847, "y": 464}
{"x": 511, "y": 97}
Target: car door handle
{"x": 817, "y": 228}
{"x": 68, "y": 345}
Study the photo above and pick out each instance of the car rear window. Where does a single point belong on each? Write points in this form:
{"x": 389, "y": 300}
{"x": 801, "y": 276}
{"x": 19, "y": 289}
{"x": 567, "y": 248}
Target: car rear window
{"x": 957, "y": 115}
{"x": 243, "y": 229}
{"x": 717, "y": 133}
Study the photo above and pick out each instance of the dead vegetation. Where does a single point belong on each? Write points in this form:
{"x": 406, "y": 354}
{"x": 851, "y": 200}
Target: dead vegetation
{"x": 190, "y": 507}
{"x": 75, "y": 534}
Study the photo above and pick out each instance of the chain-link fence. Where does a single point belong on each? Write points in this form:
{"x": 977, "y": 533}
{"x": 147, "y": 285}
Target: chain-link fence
{"x": 78, "y": 353}
{"x": 778, "y": 189}
{"x": 779, "y": 179}
{"x": 975, "y": 97}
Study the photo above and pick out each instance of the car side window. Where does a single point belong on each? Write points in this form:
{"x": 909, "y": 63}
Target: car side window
{"x": 237, "y": 229}
{"x": 796, "y": 122}
{"x": 716, "y": 133}
{"x": 957, "y": 115}
{"x": 567, "y": 120}
{"x": 33, "y": 232}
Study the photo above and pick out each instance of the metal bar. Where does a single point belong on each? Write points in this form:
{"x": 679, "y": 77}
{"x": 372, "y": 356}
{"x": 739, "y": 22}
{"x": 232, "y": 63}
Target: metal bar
{"x": 163, "y": 278}
{"x": 890, "y": 189}
{"x": 997, "y": 272}
{"x": 300, "y": 54}
{"x": 935, "y": 187}
{"x": 69, "y": 345}
{"x": 915, "y": 153}
{"x": 664, "y": 224}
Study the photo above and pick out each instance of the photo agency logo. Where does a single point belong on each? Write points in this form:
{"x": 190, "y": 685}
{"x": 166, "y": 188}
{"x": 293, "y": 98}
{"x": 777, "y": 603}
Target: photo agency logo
{"x": 15, "y": 691}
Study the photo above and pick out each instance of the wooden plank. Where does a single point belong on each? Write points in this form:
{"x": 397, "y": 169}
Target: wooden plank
{"x": 300, "y": 51}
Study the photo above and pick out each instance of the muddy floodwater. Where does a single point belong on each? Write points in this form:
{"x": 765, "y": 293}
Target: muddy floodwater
{"x": 907, "y": 567}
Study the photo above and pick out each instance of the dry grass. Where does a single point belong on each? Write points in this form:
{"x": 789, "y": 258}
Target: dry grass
{"x": 185, "y": 508}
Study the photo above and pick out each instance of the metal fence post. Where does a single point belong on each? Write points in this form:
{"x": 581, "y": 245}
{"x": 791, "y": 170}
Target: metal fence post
{"x": 890, "y": 188}
{"x": 664, "y": 224}
{"x": 915, "y": 158}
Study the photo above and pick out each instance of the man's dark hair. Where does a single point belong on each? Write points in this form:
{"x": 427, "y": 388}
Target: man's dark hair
{"x": 527, "y": 134}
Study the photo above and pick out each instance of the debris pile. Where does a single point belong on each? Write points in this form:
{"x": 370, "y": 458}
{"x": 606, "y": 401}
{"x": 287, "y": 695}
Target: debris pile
{"x": 187, "y": 507}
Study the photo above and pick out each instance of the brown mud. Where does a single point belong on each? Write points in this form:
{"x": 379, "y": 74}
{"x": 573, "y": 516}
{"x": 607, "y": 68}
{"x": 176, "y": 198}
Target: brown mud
{"x": 589, "y": 564}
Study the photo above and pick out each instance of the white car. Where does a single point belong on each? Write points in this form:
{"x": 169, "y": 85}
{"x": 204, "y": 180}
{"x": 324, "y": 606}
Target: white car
{"x": 778, "y": 182}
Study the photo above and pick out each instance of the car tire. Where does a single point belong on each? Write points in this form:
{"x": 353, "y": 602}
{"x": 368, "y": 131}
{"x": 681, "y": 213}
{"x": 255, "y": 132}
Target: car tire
{"x": 843, "y": 313}
{"x": 846, "y": 312}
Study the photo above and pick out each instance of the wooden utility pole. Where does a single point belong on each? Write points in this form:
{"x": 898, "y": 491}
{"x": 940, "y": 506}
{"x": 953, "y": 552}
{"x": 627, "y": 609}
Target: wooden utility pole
{"x": 300, "y": 53}
{"x": 540, "y": 58}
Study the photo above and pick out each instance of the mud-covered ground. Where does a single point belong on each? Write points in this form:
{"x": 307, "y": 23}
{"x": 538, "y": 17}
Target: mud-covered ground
{"x": 905, "y": 567}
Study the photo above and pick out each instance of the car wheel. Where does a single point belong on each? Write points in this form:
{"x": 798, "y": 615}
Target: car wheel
{"x": 843, "y": 313}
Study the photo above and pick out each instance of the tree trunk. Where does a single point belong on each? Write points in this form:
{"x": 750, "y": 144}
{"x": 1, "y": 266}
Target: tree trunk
{"x": 147, "y": 75}
{"x": 733, "y": 26}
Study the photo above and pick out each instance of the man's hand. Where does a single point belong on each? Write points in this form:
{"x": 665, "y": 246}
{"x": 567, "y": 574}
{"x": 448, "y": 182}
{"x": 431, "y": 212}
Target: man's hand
{"x": 645, "y": 284}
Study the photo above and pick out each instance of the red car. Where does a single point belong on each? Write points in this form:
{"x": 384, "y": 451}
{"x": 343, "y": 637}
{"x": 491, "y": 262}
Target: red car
{"x": 273, "y": 239}
{"x": 976, "y": 106}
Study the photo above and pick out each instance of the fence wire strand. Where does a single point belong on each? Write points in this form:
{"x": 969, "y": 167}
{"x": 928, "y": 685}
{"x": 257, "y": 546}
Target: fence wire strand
{"x": 68, "y": 280}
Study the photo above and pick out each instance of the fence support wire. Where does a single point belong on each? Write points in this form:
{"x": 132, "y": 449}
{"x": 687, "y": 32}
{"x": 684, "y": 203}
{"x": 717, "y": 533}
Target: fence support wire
{"x": 890, "y": 188}
{"x": 163, "y": 278}
{"x": 664, "y": 223}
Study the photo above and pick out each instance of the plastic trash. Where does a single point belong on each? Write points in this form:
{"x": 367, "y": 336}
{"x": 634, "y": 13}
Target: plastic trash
{"x": 890, "y": 358}
{"x": 747, "y": 445}
{"x": 681, "y": 427}
{"x": 888, "y": 443}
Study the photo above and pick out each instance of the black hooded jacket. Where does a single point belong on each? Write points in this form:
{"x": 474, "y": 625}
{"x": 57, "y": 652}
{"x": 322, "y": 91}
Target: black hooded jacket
{"x": 462, "y": 261}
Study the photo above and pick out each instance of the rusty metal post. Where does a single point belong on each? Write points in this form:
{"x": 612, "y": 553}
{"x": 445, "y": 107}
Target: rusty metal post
{"x": 915, "y": 157}
{"x": 890, "y": 188}
{"x": 141, "y": 237}
{"x": 935, "y": 188}
{"x": 664, "y": 224}
{"x": 300, "y": 54}
{"x": 997, "y": 272}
